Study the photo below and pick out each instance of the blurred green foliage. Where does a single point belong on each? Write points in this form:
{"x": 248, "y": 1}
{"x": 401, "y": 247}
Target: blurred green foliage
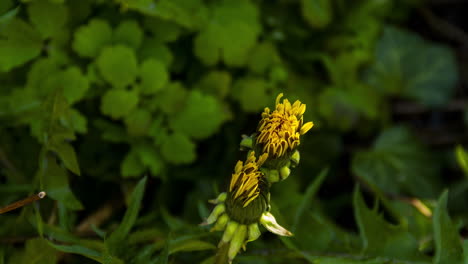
{"x": 128, "y": 113}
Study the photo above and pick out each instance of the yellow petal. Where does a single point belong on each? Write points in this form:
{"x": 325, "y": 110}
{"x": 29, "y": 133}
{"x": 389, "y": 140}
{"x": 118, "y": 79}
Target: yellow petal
{"x": 306, "y": 127}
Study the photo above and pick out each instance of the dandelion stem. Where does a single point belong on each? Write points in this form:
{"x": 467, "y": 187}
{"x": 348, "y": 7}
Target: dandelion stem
{"x": 222, "y": 254}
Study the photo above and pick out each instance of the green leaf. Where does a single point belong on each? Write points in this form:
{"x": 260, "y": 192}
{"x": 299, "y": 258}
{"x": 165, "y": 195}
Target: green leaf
{"x": 263, "y": 56}
{"x": 449, "y": 249}
{"x": 163, "y": 30}
{"x": 216, "y": 83}
{"x": 116, "y": 240}
{"x": 318, "y": 13}
{"x": 132, "y": 166}
{"x": 191, "y": 14}
{"x": 231, "y": 33}
{"x": 201, "y": 117}
{"x": 190, "y": 245}
{"x": 67, "y": 155}
{"x": 5, "y": 18}
{"x": 397, "y": 164}
{"x": 118, "y": 65}
{"x": 119, "y": 103}
{"x": 150, "y": 158}
{"x": 155, "y": 49}
{"x": 171, "y": 99}
{"x": 55, "y": 181}
{"x": 19, "y": 43}
{"x": 308, "y": 197}
{"x": 37, "y": 251}
{"x": 91, "y": 38}
{"x": 78, "y": 121}
{"x": 101, "y": 257}
{"x": 344, "y": 108}
{"x": 71, "y": 81}
{"x": 154, "y": 76}
{"x": 47, "y": 17}
{"x": 252, "y": 100}
{"x": 177, "y": 148}
{"x": 138, "y": 122}
{"x": 408, "y": 65}
{"x": 462, "y": 158}
{"x": 381, "y": 238}
{"x": 128, "y": 33}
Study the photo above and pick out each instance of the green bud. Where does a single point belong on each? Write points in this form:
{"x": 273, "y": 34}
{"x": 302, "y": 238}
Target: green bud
{"x": 229, "y": 231}
{"x": 246, "y": 142}
{"x": 221, "y": 198}
{"x": 221, "y": 223}
{"x": 237, "y": 241}
{"x": 217, "y": 211}
{"x": 272, "y": 175}
{"x": 284, "y": 172}
{"x": 295, "y": 158}
{"x": 254, "y": 232}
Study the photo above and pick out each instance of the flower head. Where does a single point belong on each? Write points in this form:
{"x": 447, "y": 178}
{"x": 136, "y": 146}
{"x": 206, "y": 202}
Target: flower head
{"x": 246, "y": 180}
{"x": 239, "y": 211}
{"x": 279, "y": 131}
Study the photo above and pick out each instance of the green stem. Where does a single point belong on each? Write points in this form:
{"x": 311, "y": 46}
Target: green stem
{"x": 222, "y": 254}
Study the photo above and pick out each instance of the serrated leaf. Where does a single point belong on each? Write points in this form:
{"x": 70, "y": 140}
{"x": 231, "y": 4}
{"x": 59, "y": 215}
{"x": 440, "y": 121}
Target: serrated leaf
{"x": 154, "y": 76}
{"x": 118, "y": 65}
{"x": 177, "y": 148}
{"x": 381, "y": 238}
{"x": 91, "y": 38}
{"x": 19, "y": 43}
{"x": 119, "y": 103}
{"x": 200, "y": 118}
{"x": 318, "y": 13}
{"x": 449, "y": 249}
{"x": 408, "y": 65}
{"x": 397, "y": 164}
{"x": 129, "y": 33}
{"x": 115, "y": 242}
{"x": 230, "y": 35}
{"x": 47, "y": 17}
{"x": 55, "y": 181}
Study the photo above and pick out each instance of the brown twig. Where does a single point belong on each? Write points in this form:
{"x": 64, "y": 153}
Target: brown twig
{"x": 23, "y": 202}
{"x": 97, "y": 218}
